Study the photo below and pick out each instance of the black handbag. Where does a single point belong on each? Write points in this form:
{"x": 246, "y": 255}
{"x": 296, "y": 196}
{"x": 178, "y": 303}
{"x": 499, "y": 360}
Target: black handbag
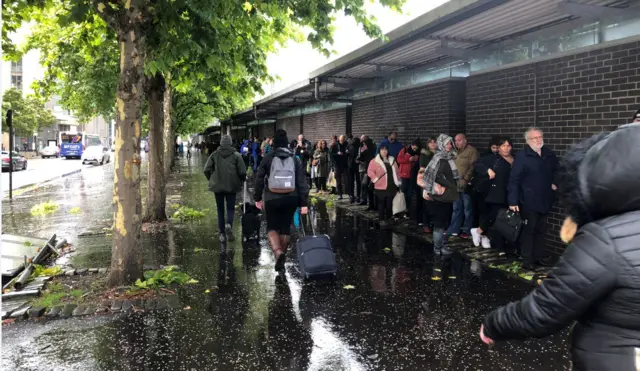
{"x": 509, "y": 224}
{"x": 480, "y": 184}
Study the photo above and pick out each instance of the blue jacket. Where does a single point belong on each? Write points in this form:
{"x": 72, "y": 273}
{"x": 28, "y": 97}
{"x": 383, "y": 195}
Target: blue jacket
{"x": 394, "y": 148}
{"x": 531, "y": 179}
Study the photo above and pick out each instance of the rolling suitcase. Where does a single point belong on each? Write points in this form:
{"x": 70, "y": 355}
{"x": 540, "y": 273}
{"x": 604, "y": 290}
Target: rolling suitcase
{"x": 315, "y": 255}
{"x": 250, "y": 219}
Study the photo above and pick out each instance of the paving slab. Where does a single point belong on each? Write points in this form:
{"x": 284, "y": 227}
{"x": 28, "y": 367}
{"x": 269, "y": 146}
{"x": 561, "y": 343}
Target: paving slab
{"x": 36, "y": 312}
{"x": 55, "y": 311}
{"x": 67, "y": 311}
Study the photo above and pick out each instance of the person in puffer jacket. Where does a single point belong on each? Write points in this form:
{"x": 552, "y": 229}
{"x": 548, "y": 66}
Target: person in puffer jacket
{"x": 596, "y": 283}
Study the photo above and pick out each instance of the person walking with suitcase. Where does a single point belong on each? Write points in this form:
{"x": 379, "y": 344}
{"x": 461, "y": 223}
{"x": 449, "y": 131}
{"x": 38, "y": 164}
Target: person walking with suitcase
{"x": 225, "y": 170}
{"x": 282, "y": 178}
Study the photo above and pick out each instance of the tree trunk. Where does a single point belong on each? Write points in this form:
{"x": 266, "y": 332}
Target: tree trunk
{"x": 156, "y": 190}
{"x": 126, "y": 255}
{"x": 167, "y": 133}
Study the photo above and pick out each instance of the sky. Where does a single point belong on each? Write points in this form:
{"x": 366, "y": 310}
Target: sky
{"x": 293, "y": 63}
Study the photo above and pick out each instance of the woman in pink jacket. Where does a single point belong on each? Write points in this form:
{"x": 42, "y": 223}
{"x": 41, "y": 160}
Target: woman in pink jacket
{"x": 383, "y": 172}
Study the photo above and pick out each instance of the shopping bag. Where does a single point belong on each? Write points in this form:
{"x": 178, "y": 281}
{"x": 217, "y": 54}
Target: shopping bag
{"x": 399, "y": 203}
{"x": 508, "y": 224}
{"x": 331, "y": 180}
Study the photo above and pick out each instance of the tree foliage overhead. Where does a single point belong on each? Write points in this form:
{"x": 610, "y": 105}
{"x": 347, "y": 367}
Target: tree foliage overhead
{"x": 29, "y": 114}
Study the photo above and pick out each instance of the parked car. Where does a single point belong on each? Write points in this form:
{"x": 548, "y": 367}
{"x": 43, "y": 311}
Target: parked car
{"x": 96, "y": 155}
{"x": 19, "y": 162}
{"x": 50, "y": 151}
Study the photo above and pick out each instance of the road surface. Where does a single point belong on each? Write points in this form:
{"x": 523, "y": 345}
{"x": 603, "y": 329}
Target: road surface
{"x": 39, "y": 171}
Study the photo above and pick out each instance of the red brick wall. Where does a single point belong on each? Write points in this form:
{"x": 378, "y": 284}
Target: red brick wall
{"x": 291, "y": 125}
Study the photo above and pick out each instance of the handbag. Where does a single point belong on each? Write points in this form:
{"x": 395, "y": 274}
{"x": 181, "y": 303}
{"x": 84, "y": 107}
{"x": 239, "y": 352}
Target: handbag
{"x": 399, "y": 203}
{"x": 508, "y": 224}
{"x": 481, "y": 183}
{"x": 331, "y": 180}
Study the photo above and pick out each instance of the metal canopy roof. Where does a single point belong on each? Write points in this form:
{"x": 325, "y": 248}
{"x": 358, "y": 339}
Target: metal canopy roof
{"x": 455, "y": 28}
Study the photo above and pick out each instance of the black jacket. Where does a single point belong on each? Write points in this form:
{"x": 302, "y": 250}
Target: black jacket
{"x": 353, "y": 149}
{"x": 497, "y": 193}
{"x": 365, "y": 156}
{"x": 262, "y": 176}
{"x": 304, "y": 152}
{"x": 340, "y": 162}
{"x": 596, "y": 283}
{"x": 531, "y": 179}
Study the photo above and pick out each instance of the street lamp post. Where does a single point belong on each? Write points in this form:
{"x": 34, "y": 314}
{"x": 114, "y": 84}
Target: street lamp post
{"x": 10, "y": 125}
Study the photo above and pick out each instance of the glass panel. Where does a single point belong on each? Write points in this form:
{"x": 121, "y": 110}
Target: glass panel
{"x": 617, "y": 30}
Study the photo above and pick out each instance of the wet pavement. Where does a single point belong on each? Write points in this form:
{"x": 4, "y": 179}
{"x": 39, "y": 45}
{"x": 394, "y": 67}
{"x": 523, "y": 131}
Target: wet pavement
{"x": 40, "y": 170}
{"x": 397, "y": 316}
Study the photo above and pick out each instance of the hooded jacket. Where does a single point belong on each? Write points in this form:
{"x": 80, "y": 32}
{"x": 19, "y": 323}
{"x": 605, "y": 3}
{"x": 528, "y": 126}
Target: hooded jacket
{"x": 596, "y": 282}
{"x": 365, "y": 155}
{"x": 262, "y": 175}
{"x": 225, "y": 170}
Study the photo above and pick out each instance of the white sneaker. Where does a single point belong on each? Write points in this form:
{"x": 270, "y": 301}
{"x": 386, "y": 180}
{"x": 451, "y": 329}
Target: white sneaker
{"x": 486, "y": 243}
{"x": 475, "y": 236}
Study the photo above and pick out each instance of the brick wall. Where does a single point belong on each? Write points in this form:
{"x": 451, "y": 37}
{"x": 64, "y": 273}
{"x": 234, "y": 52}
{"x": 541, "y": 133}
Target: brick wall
{"x": 415, "y": 113}
{"x": 291, "y": 125}
{"x": 322, "y": 125}
{"x": 569, "y": 98}
{"x": 266, "y": 131}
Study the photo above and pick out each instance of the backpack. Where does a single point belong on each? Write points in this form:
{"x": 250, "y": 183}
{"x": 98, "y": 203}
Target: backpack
{"x": 282, "y": 177}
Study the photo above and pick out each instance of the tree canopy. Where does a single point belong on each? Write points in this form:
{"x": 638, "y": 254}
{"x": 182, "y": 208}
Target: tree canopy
{"x": 29, "y": 114}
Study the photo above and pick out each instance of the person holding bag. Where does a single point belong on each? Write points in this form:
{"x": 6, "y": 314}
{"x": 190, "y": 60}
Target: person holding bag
{"x": 497, "y": 167}
{"x": 383, "y": 172}
{"x": 440, "y": 183}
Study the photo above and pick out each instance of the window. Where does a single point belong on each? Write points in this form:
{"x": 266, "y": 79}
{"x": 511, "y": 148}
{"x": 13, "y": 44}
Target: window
{"x": 16, "y": 74}
{"x": 16, "y": 81}
{"x": 64, "y": 128}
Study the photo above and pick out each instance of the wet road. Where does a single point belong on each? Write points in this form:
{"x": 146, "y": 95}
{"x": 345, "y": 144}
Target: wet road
{"x": 396, "y": 316}
{"x": 40, "y": 170}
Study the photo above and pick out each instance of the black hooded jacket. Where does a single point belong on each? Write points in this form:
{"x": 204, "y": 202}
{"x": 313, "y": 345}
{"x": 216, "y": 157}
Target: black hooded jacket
{"x": 262, "y": 175}
{"x": 596, "y": 283}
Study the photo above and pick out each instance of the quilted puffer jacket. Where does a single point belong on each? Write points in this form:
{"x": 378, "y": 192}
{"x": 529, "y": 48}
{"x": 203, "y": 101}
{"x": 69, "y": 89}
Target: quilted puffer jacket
{"x": 596, "y": 283}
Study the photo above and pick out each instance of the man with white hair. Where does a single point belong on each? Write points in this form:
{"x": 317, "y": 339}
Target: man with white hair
{"x": 531, "y": 192}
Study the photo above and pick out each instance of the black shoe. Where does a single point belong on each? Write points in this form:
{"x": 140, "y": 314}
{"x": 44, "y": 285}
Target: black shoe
{"x": 362, "y": 203}
{"x": 544, "y": 263}
{"x": 280, "y": 263}
{"x": 384, "y": 224}
{"x": 340, "y": 197}
{"x": 352, "y": 200}
{"x": 229, "y": 232}
{"x": 529, "y": 266}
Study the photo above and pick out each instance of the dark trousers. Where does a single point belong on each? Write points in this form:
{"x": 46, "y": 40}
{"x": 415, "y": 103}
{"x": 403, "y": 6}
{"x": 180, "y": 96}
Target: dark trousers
{"x": 230, "y": 198}
{"x": 354, "y": 183}
{"x": 532, "y": 235}
{"x": 341, "y": 179}
{"x": 406, "y": 188}
{"x": 385, "y": 205}
{"x": 419, "y": 203}
{"x": 367, "y": 193}
{"x": 426, "y": 213}
{"x": 321, "y": 183}
{"x": 487, "y": 218}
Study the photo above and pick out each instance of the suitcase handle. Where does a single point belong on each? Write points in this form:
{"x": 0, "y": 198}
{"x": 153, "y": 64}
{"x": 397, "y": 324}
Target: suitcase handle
{"x": 313, "y": 230}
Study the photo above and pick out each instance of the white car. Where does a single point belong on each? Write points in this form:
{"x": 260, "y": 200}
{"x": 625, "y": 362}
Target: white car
{"x": 50, "y": 151}
{"x": 96, "y": 155}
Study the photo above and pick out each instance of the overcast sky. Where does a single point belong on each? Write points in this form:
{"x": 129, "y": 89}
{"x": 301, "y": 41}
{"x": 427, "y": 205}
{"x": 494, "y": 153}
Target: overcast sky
{"x": 293, "y": 63}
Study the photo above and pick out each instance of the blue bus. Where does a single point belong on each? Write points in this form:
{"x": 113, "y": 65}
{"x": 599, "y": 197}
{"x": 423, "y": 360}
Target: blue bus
{"x": 72, "y": 144}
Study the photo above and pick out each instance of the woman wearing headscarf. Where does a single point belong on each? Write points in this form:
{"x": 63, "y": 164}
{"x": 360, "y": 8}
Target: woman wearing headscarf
{"x": 426, "y": 154}
{"x": 440, "y": 182}
{"x": 595, "y": 285}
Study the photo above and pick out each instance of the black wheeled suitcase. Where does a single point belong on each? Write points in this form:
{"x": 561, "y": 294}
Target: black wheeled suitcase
{"x": 250, "y": 219}
{"x": 315, "y": 255}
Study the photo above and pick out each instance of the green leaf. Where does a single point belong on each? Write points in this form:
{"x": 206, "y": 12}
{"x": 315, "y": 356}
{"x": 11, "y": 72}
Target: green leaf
{"x": 349, "y": 287}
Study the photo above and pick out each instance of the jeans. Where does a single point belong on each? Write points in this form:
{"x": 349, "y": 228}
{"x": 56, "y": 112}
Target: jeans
{"x": 462, "y": 209}
{"x": 439, "y": 239}
{"x": 405, "y": 187}
{"x": 231, "y": 203}
{"x": 532, "y": 235}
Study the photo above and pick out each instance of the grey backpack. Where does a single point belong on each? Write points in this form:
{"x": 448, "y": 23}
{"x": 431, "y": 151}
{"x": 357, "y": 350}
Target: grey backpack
{"x": 282, "y": 177}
